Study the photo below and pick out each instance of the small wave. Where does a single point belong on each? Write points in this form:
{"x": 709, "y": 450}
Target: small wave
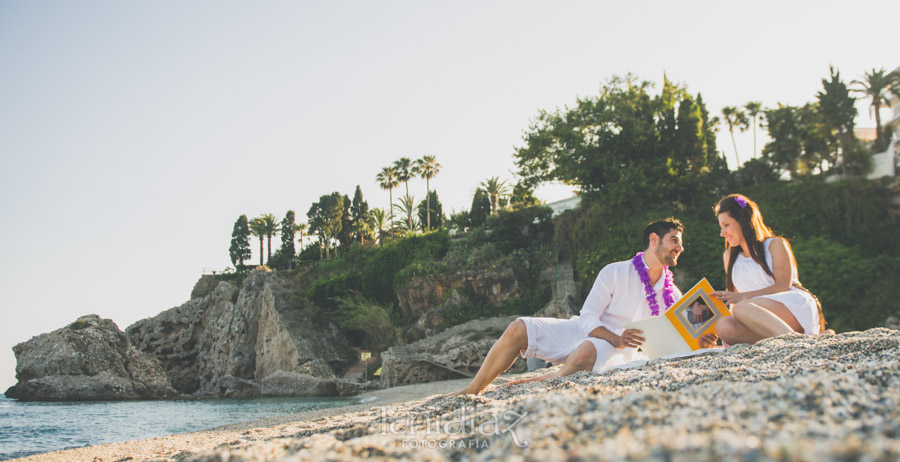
{"x": 31, "y": 428}
{"x": 367, "y": 399}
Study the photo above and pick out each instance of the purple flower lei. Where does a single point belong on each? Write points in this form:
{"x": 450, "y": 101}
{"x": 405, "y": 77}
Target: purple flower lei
{"x": 668, "y": 291}
{"x": 741, "y": 201}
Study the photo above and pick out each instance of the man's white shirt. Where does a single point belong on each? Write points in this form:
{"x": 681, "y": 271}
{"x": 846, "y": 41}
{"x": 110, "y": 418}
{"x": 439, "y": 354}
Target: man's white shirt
{"x": 618, "y": 297}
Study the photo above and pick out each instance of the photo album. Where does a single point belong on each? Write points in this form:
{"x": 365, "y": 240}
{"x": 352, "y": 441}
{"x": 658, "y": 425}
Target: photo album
{"x": 679, "y": 328}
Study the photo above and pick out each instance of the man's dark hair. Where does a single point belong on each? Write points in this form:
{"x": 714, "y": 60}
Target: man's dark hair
{"x": 661, "y": 228}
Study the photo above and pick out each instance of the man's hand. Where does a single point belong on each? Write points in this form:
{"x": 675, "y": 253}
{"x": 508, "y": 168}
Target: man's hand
{"x": 708, "y": 340}
{"x": 697, "y": 310}
{"x": 631, "y": 338}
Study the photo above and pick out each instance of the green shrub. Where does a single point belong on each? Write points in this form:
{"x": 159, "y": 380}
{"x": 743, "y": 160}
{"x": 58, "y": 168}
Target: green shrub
{"x": 79, "y": 324}
{"x": 511, "y": 230}
{"x": 853, "y": 213}
{"x": 236, "y": 278}
{"x": 367, "y": 321}
{"x": 479, "y": 308}
{"x": 856, "y": 291}
{"x": 372, "y": 272}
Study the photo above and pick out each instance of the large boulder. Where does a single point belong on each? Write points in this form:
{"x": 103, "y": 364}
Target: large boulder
{"x": 455, "y": 352}
{"x": 90, "y": 359}
{"x": 283, "y": 383}
{"x": 233, "y": 387}
{"x": 563, "y": 308}
{"x": 222, "y": 335}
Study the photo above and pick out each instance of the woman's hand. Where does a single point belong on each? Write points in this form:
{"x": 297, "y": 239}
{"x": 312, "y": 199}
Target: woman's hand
{"x": 728, "y": 297}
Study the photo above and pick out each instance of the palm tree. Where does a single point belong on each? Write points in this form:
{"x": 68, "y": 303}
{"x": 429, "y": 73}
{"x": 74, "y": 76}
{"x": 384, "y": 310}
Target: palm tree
{"x": 495, "y": 190}
{"x": 407, "y": 207}
{"x": 388, "y": 179}
{"x": 735, "y": 117}
{"x": 271, "y": 227}
{"x": 753, "y": 109}
{"x": 301, "y": 228}
{"x": 377, "y": 222}
{"x": 362, "y": 228}
{"x": 404, "y": 169}
{"x": 427, "y": 167}
{"x": 258, "y": 229}
{"x": 876, "y": 85}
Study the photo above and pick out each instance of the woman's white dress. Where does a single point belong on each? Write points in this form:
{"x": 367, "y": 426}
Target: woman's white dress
{"x": 748, "y": 276}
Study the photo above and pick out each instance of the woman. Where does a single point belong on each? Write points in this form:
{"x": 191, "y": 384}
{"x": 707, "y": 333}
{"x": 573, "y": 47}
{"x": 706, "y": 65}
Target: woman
{"x": 761, "y": 279}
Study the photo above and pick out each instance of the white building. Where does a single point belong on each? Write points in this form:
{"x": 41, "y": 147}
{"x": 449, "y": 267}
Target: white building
{"x": 886, "y": 163}
{"x": 563, "y": 205}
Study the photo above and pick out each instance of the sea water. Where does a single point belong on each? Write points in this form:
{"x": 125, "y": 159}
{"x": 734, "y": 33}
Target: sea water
{"x": 30, "y": 428}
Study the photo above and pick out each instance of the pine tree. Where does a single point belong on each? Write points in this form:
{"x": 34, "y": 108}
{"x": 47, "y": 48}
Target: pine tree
{"x": 240, "y": 242}
{"x": 710, "y": 126}
{"x": 839, "y": 111}
{"x": 288, "y": 230}
{"x": 325, "y": 219}
{"x": 359, "y": 215}
{"x": 431, "y": 205}
{"x": 481, "y": 208}
{"x": 345, "y": 236}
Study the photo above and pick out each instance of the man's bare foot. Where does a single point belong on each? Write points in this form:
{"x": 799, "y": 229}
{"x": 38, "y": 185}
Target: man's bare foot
{"x": 466, "y": 391}
{"x": 827, "y": 332}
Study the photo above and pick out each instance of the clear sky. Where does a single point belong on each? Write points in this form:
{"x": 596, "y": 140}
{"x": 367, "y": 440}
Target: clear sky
{"x": 133, "y": 134}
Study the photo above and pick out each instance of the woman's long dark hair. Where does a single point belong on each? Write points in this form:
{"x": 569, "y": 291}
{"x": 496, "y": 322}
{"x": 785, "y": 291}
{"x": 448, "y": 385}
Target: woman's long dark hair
{"x": 755, "y": 234}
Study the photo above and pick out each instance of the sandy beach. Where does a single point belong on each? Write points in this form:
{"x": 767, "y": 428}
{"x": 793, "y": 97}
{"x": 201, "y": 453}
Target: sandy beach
{"x": 794, "y": 398}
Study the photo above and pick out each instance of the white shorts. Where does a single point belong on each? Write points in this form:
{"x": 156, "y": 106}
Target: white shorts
{"x": 553, "y": 339}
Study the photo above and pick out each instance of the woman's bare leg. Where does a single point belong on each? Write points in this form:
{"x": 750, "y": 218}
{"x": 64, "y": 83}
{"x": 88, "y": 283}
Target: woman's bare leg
{"x": 756, "y": 319}
{"x": 732, "y": 332}
{"x": 766, "y": 317}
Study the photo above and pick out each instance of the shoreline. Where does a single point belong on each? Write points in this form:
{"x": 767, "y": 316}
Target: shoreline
{"x": 240, "y": 434}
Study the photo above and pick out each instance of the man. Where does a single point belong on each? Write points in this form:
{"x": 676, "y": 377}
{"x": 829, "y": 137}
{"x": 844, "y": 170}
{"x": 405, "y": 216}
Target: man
{"x": 596, "y": 338}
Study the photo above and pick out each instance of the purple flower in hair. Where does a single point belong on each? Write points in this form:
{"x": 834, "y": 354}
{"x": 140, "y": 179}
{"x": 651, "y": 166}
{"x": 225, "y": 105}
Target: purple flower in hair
{"x": 741, "y": 201}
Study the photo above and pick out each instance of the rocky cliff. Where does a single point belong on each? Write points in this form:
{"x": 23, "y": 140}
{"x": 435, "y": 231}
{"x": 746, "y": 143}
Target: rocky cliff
{"x": 90, "y": 359}
{"x": 225, "y": 343}
{"x": 421, "y": 293}
{"x": 259, "y": 340}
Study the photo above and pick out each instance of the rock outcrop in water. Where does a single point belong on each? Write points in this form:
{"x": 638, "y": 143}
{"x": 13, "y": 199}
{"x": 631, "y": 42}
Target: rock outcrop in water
{"x": 90, "y": 359}
{"x": 260, "y": 341}
{"x": 224, "y": 343}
